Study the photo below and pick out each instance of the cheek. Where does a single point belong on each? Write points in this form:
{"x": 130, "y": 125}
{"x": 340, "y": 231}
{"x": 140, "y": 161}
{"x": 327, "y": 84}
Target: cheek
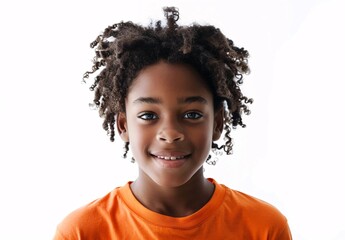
{"x": 203, "y": 139}
{"x": 138, "y": 147}
{"x": 139, "y": 138}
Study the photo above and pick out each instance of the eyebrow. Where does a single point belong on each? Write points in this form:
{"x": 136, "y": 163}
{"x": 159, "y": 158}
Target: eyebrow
{"x": 193, "y": 99}
{"x": 187, "y": 100}
{"x": 150, "y": 100}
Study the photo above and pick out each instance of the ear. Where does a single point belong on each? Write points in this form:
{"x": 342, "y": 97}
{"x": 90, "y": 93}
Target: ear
{"x": 121, "y": 124}
{"x": 218, "y": 124}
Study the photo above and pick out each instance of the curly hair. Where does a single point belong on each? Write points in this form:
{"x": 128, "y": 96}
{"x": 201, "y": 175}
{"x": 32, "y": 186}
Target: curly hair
{"x": 125, "y": 48}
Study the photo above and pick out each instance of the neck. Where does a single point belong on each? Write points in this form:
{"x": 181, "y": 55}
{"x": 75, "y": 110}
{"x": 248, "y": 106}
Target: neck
{"x": 178, "y": 201}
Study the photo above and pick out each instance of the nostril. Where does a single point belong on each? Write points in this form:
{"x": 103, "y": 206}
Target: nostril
{"x": 170, "y": 136}
{"x": 161, "y": 138}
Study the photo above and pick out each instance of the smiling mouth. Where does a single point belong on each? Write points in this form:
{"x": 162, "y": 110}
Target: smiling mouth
{"x": 170, "y": 158}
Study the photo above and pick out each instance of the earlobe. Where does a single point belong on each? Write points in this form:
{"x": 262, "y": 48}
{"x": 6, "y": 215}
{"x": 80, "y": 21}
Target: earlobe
{"x": 121, "y": 124}
{"x": 218, "y": 124}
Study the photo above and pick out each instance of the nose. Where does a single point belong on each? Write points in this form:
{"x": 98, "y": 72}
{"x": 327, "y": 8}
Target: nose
{"x": 170, "y": 135}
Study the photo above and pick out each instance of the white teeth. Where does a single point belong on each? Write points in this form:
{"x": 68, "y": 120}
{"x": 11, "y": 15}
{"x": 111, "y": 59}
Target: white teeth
{"x": 170, "y": 158}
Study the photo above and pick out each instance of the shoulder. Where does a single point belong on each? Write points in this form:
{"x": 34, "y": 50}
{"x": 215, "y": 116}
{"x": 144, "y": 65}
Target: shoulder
{"x": 248, "y": 203}
{"x": 256, "y": 214}
{"x": 86, "y": 220}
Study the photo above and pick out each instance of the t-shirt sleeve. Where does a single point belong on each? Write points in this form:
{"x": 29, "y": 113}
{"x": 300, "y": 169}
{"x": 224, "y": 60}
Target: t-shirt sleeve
{"x": 73, "y": 226}
{"x": 64, "y": 231}
{"x": 59, "y": 236}
{"x": 285, "y": 234}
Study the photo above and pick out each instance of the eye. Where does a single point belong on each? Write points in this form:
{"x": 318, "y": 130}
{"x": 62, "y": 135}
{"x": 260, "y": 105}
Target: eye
{"x": 147, "y": 116}
{"x": 193, "y": 115}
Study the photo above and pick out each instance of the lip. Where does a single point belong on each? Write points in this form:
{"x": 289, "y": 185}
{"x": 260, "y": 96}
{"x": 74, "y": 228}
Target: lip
{"x": 170, "y": 154}
{"x": 170, "y": 159}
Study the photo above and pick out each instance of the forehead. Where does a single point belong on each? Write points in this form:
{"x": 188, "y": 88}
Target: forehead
{"x": 169, "y": 80}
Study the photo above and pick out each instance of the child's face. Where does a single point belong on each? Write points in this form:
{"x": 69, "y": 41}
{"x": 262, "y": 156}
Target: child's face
{"x": 170, "y": 123}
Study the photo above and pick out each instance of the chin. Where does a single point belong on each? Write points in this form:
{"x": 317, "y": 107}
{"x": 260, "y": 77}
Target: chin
{"x": 171, "y": 182}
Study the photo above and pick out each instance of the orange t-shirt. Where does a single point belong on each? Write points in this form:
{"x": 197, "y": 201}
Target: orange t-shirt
{"x": 229, "y": 214}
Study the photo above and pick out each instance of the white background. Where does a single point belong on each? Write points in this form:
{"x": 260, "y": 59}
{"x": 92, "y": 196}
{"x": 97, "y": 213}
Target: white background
{"x": 55, "y": 156}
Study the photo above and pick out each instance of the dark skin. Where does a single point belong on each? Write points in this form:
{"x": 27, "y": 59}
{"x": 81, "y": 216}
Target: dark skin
{"x": 170, "y": 122}
{"x": 175, "y": 201}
